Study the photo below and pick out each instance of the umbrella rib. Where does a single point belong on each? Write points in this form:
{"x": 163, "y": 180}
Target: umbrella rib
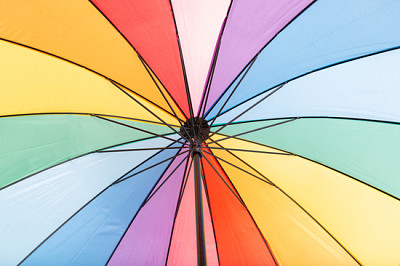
{"x": 139, "y": 129}
{"x": 254, "y": 130}
{"x": 159, "y": 89}
{"x": 233, "y": 91}
{"x": 183, "y": 186}
{"x": 294, "y": 201}
{"x": 214, "y": 63}
{"x": 232, "y": 149}
{"x": 142, "y": 60}
{"x": 176, "y": 116}
{"x": 259, "y": 52}
{"x": 147, "y": 109}
{"x": 245, "y": 111}
{"x": 206, "y": 91}
{"x": 165, "y": 180}
{"x": 86, "y": 114}
{"x": 209, "y": 209}
{"x": 141, "y": 171}
{"x": 215, "y": 170}
{"x": 314, "y": 219}
{"x": 307, "y": 117}
{"x": 266, "y": 180}
{"x": 182, "y": 63}
{"x": 139, "y": 149}
{"x": 81, "y": 208}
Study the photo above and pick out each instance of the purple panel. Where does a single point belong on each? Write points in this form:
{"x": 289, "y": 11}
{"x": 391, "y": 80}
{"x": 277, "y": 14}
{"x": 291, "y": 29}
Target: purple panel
{"x": 147, "y": 239}
{"x": 250, "y": 26}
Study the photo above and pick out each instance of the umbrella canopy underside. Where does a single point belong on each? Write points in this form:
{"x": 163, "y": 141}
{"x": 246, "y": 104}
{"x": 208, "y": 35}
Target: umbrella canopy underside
{"x": 129, "y": 126}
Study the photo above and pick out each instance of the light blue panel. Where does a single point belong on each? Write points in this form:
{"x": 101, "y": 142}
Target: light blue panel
{"x": 90, "y": 237}
{"x": 33, "y": 208}
{"x": 366, "y": 88}
{"x": 326, "y": 33}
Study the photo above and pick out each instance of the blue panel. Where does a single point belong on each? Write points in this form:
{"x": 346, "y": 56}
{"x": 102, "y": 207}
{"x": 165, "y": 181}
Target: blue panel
{"x": 326, "y": 33}
{"x": 90, "y": 237}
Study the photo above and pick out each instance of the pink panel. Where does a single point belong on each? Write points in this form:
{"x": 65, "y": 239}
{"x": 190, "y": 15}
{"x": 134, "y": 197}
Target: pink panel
{"x": 183, "y": 250}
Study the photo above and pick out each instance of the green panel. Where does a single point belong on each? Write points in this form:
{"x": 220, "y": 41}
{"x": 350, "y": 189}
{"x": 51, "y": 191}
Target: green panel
{"x": 366, "y": 150}
{"x": 29, "y": 144}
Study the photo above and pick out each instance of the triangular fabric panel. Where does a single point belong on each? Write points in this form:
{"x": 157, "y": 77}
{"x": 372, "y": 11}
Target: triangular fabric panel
{"x": 149, "y": 26}
{"x": 147, "y": 239}
{"x": 199, "y": 24}
{"x": 238, "y": 240}
{"x": 91, "y": 235}
{"x": 183, "y": 246}
{"x": 251, "y": 24}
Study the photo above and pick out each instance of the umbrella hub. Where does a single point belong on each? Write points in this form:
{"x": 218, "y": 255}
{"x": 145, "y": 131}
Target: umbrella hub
{"x": 195, "y": 130}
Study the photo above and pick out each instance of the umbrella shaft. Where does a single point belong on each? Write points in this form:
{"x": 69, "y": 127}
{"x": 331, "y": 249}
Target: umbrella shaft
{"x": 201, "y": 247}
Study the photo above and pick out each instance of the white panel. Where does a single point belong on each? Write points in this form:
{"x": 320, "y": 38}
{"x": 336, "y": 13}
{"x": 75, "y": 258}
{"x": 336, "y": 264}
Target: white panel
{"x": 366, "y": 88}
{"x": 199, "y": 24}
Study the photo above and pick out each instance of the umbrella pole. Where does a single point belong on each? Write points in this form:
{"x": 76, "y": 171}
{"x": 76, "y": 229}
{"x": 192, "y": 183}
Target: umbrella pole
{"x": 201, "y": 246}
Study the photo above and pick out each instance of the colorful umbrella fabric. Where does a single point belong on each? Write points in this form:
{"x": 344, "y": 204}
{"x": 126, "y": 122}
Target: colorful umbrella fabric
{"x": 188, "y": 132}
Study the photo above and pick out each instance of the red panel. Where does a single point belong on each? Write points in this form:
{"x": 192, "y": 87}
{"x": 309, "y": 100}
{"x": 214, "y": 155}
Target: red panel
{"x": 238, "y": 240}
{"x": 149, "y": 27}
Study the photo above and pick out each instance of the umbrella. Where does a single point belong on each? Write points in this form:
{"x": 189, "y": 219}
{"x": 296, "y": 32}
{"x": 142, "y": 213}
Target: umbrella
{"x": 183, "y": 132}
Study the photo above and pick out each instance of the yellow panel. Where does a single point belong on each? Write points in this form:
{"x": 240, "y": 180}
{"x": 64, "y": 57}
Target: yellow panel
{"x": 294, "y": 238}
{"x": 362, "y": 219}
{"x": 33, "y": 82}
{"x": 76, "y": 31}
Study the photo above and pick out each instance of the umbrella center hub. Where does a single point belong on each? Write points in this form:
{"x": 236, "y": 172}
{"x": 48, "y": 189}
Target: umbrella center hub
{"x": 196, "y": 130}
